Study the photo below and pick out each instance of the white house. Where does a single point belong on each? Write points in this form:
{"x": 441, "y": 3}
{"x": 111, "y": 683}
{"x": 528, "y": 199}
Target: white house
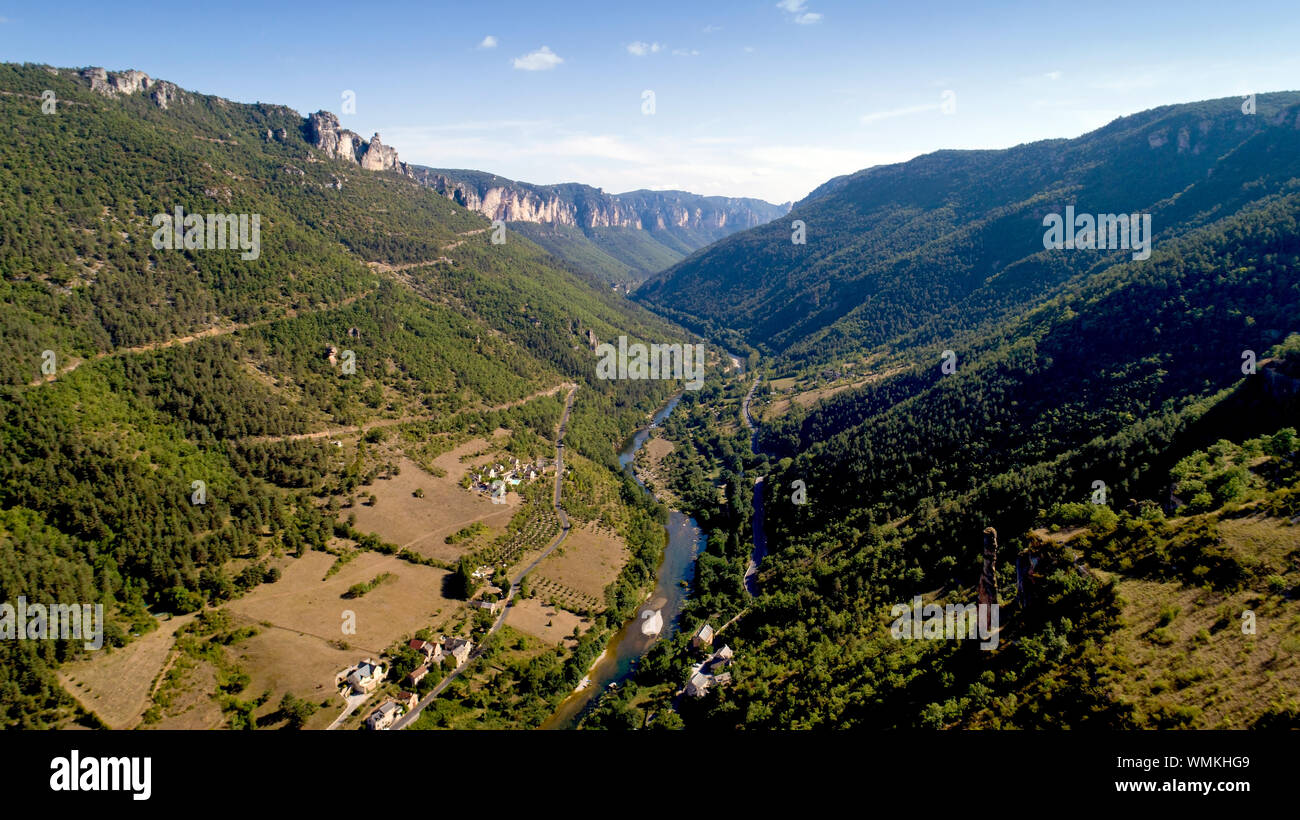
{"x": 366, "y": 676}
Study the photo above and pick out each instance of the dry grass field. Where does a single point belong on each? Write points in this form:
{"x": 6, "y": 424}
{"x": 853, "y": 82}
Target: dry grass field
{"x": 1200, "y": 657}
{"x": 532, "y": 617}
{"x": 284, "y": 661}
{"x": 115, "y": 684}
{"x": 422, "y": 524}
{"x": 301, "y": 602}
{"x": 193, "y": 707}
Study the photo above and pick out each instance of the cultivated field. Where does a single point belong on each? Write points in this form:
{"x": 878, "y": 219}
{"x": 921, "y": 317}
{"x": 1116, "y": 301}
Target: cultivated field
{"x": 591, "y": 561}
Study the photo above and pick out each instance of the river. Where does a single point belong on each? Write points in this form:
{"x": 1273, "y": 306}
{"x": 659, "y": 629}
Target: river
{"x": 685, "y": 541}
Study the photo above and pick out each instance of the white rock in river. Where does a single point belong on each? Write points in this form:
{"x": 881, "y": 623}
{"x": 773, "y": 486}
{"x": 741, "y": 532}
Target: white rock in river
{"x": 652, "y": 622}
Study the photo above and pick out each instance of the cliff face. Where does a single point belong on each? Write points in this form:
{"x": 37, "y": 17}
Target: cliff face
{"x": 113, "y": 83}
{"x": 324, "y": 132}
{"x": 585, "y": 207}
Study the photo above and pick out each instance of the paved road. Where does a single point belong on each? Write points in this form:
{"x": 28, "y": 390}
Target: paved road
{"x": 760, "y": 537}
{"x": 408, "y": 718}
{"x": 747, "y": 418}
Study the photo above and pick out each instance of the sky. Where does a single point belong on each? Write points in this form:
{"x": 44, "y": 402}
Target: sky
{"x": 764, "y": 99}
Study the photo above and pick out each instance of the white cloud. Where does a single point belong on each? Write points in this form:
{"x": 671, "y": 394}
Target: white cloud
{"x": 1053, "y": 75}
{"x": 749, "y": 49}
{"x": 682, "y": 52}
{"x": 543, "y": 59}
{"x": 640, "y": 49}
{"x": 709, "y": 29}
{"x": 600, "y": 146}
{"x": 488, "y": 42}
{"x": 797, "y": 11}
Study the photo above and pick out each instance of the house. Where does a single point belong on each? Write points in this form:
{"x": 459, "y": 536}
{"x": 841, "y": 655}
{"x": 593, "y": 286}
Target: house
{"x": 719, "y": 660}
{"x": 490, "y": 606}
{"x": 432, "y": 652}
{"x": 385, "y": 715}
{"x": 408, "y": 700}
{"x": 703, "y": 637}
{"x": 698, "y": 685}
{"x": 458, "y": 648}
{"x": 365, "y": 676}
{"x": 418, "y": 673}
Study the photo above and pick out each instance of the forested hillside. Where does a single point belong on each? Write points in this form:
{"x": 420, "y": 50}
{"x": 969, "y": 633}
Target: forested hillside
{"x": 951, "y": 243}
{"x": 372, "y": 299}
{"x": 1127, "y": 424}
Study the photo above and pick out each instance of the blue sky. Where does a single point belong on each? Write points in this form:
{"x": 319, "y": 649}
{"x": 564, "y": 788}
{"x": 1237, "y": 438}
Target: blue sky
{"x": 760, "y": 99}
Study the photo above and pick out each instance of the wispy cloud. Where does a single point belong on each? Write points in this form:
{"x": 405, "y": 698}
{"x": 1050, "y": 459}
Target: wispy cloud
{"x": 877, "y": 116}
{"x": 1053, "y": 75}
{"x": 640, "y": 49}
{"x": 704, "y": 162}
{"x": 543, "y": 59}
{"x": 709, "y": 29}
{"x": 488, "y": 42}
{"x": 683, "y": 52}
{"x": 796, "y": 10}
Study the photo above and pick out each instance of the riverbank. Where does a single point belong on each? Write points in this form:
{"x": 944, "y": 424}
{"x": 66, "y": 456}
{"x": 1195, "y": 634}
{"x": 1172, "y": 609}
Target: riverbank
{"x": 673, "y": 577}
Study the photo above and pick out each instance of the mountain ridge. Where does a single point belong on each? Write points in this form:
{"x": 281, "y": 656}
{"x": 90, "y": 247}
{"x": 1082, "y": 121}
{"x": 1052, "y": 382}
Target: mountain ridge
{"x": 951, "y": 239}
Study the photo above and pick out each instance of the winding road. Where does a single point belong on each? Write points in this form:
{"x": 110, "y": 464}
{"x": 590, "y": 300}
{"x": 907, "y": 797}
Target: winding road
{"x": 413, "y": 715}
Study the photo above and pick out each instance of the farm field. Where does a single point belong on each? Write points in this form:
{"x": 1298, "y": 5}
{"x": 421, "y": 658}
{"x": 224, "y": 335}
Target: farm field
{"x": 589, "y": 561}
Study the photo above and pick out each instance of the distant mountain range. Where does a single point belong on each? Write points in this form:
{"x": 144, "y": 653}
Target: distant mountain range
{"x": 623, "y": 237}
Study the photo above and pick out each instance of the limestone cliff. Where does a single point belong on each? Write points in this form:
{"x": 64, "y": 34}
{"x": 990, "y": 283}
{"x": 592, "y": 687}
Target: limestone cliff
{"x": 114, "y": 83}
{"x": 324, "y": 131}
{"x": 585, "y": 207}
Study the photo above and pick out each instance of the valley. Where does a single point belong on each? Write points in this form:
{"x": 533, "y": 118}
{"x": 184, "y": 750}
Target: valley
{"x": 372, "y": 468}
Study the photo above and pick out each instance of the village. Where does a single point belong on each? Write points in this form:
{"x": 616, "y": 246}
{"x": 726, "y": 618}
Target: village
{"x": 495, "y": 479}
{"x": 711, "y": 671}
{"x": 359, "y": 681}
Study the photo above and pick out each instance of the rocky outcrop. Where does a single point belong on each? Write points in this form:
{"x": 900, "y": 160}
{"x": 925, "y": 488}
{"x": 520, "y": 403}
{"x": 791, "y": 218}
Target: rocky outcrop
{"x": 115, "y": 83}
{"x": 585, "y": 207}
{"x": 324, "y": 132}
